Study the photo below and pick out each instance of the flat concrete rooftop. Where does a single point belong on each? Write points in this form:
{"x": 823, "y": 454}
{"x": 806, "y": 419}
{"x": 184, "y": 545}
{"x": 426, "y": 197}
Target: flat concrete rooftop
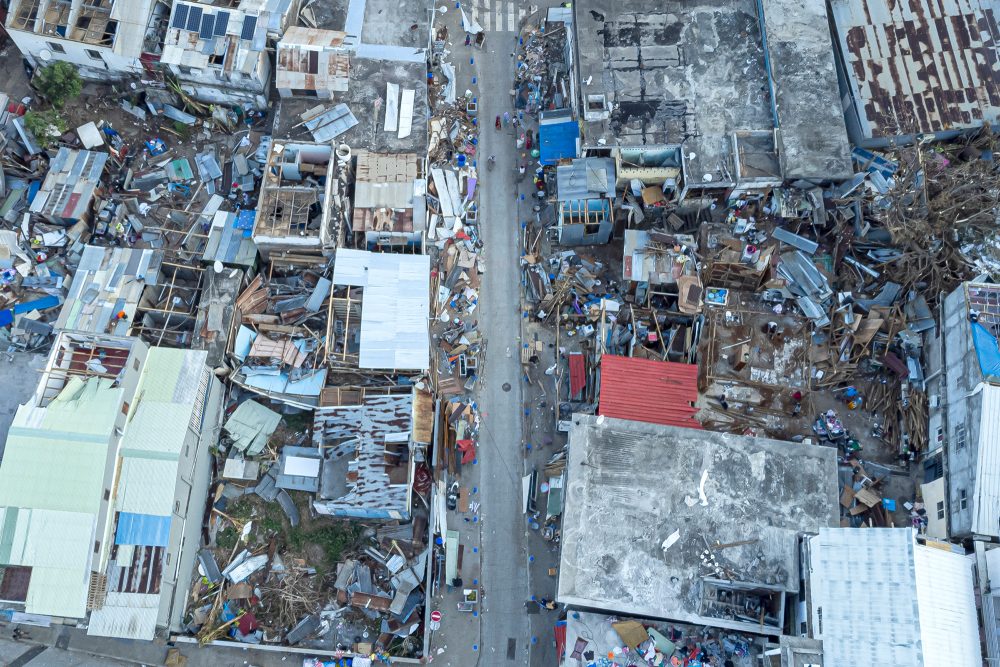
{"x": 631, "y": 485}
{"x": 693, "y": 72}
{"x": 366, "y": 84}
{"x": 387, "y": 44}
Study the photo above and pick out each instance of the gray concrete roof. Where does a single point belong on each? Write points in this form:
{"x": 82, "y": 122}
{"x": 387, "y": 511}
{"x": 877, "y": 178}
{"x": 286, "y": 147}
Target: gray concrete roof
{"x": 687, "y": 71}
{"x": 694, "y": 72}
{"x": 631, "y": 485}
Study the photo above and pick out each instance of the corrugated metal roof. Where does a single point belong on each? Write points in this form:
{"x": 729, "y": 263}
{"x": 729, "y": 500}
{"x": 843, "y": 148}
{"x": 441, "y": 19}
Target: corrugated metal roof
{"x": 923, "y": 65}
{"x": 250, "y": 425}
{"x": 108, "y": 280}
{"x": 656, "y": 392}
{"x": 69, "y": 184}
{"x": 167, "y": 395}
{"x": 586, "y": 178}
{"x": 47, "y": 465}
{"x": 351, "y": 267}
{"x": 949, "y": 625}
{"x": 125, "y": 615}
{"x": 879, "y": 598}
{"x": 142, "y": 529}
{"x": 986, "y": 499}
{"x": 577, "y": 374}
{"x": 395, "y": 306}
{"x": 57, "y": 545}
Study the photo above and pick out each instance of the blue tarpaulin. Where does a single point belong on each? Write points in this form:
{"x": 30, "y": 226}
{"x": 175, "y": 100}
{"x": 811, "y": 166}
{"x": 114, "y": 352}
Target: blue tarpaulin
{"x": 557, "y": 141}
{"x": 7, "y": 316}
{"x": 148, "y": 530}
{"x": 986, "y": 350}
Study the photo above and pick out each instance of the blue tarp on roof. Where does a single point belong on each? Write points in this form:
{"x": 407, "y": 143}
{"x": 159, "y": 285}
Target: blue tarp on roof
{"x": 557, "y": 141}
{"x": 148, "y": 530}
{"x": 986, "y": 350}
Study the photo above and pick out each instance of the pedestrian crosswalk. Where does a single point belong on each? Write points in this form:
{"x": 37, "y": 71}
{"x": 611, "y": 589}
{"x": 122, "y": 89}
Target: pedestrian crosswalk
{"x": 499, "y": 15}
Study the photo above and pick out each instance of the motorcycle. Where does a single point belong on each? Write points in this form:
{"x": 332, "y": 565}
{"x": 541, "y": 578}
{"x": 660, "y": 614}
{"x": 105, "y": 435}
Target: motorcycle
{"x": 451, "y": 500}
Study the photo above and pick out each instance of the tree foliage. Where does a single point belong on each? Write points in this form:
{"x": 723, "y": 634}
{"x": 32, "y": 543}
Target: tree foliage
{"x": 59, "y": 82}
{"x": 46, "y": 126}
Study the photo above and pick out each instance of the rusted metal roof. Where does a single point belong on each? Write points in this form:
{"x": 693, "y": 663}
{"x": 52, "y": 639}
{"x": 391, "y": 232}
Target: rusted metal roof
{"x": 920, "y": 65}
{"x": 577, "y": 375}
{"x": 645, "y": 390}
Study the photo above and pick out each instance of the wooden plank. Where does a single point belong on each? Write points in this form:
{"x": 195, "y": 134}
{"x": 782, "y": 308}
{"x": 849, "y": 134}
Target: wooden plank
{"x": 463, "y": 499}
{"x": 867, "y": 497}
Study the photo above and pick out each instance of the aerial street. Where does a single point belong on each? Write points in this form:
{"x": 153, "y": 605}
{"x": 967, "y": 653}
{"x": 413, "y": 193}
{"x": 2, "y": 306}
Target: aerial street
{"x": 347, "y": 333}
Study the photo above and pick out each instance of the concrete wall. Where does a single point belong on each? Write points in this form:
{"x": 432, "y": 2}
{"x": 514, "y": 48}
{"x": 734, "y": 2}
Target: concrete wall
{"x": 194, "y": 475}
{"x": 574, "y": 234}
{"x": 935, "y": 388}
{"x": 962, "y": 412}
{"x": 208, "y": 84}
{"x": 933, "y": 494}
{"x": 110, "y": 65}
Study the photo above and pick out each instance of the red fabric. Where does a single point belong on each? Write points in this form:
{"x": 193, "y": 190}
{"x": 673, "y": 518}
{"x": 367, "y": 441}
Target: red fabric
{"x": 468, "y": 449}
{"x": 247, "y": 623}
{"x": 577, "y": 374}
{"x": 644, "y": 390}
{"x": 560, "y": 631}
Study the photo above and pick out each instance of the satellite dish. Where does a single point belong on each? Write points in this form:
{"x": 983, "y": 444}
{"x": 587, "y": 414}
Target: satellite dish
{"x": 218, "y": 266}
{"x": 45, "y": 54}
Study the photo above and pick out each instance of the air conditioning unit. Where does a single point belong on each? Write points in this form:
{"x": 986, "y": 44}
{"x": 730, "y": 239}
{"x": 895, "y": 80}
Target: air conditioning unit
{"x": 934, "y": 400}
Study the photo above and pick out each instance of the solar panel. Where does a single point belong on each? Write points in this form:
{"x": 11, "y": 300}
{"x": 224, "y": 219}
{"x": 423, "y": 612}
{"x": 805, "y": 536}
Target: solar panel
{"x": 194, "y": 19}
{"x": 221, "y": 23}
{"x": 207, "y": 25}
{"x": 180, "y": 17}
{"x": 249, "y": 25}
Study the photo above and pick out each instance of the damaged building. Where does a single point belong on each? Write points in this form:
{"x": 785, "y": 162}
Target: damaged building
{"x": 923, "y": 69}
{"x": 748, "y": 90}
{"x": 91, "y": 533}
{"x": 370, "y": 452}
{"x": 389, "y": 210}
{"x": 380, "y": 311}
{"x": 311, "y": 63}
{"x": 296, "y": 208}
{"x": 218, "y": 52}
{"x": 70, "y": 186}
{"x": 111, "y": 39}
{"x": 718, "y": 546}
{"x": 375, "y": 90}
{"x": 880, "y": 596}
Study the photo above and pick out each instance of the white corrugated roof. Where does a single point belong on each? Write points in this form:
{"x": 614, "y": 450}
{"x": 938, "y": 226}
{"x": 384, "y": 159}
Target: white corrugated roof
{"x": 395, "y": 307}
{"x": 879, "y": 598}
{"x": 151, "y": 449}
{"x": 949, "y": 625}
{"x": 57, "y": 546}
{"x": 125, "y": 615}
{"x": 351, "y": 267}
{"x": 986, "y": 500}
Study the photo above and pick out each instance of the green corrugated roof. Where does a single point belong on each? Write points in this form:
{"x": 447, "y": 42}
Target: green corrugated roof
{"x": 84, "y": 407}
{"x": 52, "y": 473}
{"x": 58, "y": 462}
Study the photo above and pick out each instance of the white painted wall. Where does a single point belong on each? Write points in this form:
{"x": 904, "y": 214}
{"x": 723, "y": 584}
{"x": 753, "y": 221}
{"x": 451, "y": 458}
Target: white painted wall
{"x": 39, "y": 52}
{"x": 934, "y": 493}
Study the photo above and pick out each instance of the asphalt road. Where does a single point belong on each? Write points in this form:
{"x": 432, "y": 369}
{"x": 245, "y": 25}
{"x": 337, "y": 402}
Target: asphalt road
{"x": 505, "y": 633}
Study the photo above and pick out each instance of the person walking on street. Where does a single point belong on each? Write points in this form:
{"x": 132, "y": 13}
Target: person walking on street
{"x": 506, "y": 118}
{"x": 498, "y": 123}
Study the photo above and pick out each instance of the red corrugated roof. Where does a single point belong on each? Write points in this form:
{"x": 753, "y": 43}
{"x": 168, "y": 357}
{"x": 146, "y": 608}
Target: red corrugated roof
{"x": 643, "y": 390}
{"x": 577, "y": 375}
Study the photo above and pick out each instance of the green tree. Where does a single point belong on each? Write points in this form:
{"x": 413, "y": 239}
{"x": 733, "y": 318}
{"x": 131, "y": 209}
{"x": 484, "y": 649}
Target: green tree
{"x": 46, "y": 126}
{"x": 59, "y": 82}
